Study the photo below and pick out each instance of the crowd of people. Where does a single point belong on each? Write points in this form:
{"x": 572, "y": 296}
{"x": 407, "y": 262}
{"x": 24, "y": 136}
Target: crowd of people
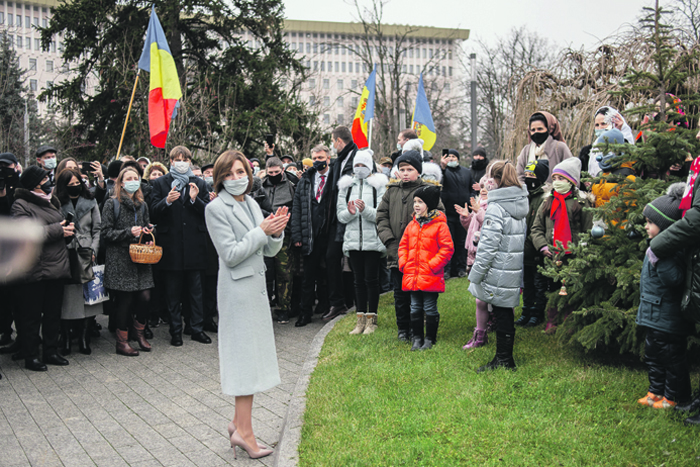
{"x": 242, "y": 236}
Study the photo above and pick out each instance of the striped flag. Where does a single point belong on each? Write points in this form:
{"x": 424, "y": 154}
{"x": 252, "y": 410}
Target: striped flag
{"x": 422, "y": 119}
{"x": 364, "y": 112}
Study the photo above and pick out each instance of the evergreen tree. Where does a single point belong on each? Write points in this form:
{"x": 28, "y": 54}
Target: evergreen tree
{"x": 12, "y": 91}
{"x": 602, "y": 278}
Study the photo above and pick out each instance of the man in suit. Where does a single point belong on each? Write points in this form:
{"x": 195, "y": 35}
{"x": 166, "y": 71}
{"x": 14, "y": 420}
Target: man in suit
{"x": 177, "y": 208}
{"x": 46, "y": 159}
{"x": 310, "y": 213}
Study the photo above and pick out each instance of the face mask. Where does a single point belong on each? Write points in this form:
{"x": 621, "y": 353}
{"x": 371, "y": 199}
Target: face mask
{"x": 361, "y": 172}
{"x": 386, "y": 171}
{"x": 132, "y": 186}
{"x": 532, "y": 184}
{"x": 539, "y": 138}
{"x": 453, "y": 164}
{"x": 236, "y": 187}
{"x": 562, "y": 186}
{"x": 275, "y": 179}
{"x": 320, "y": 165}
{"x": 181, "y": 167}
{"x": 74, "y": 191}
{"x": 285, "y": 165}
{"x": 50, "y": 164}
{"x": 46, "y": 187}
{"x": 209, "y": 181}
{"x": 599, "y": 132}
{"x": 398, "y": 146}
{"x": 256, "y": 170}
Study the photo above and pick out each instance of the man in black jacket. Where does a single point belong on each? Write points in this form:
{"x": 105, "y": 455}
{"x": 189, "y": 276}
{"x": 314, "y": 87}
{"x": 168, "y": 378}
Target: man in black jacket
{"x": 178, "y": 202}
{"x": 456, "y": 189}
{"x": 309, "y": 221}
{"x": 478, "y": 168}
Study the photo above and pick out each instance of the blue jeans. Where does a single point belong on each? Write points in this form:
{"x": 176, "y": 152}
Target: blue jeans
{"x": 424, "y": 301}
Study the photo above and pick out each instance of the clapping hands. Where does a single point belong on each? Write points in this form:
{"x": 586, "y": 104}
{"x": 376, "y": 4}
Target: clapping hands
{"x": 274, "y": 224}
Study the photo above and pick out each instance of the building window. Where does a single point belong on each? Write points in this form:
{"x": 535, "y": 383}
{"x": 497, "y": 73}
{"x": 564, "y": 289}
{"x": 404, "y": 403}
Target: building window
{"x": 424, "y": 53}
{"x": 449, "y": 54}
{"x": 19, "y": 42}
{"x": 64, "y": 69}
{"x": 410, "y": 69}
{"x": 357, "y": 67}
{"x": 342, "y": 51}
{"x": 343, "y": 66}
{"x": 341, "y": 119}
{"x": 315, "y": 47}
{"x": 444, "y": 71}
{"x": 450, "y": 71}
{"x": 326, "y": 84}
{"x": 312, "y": 100}
{"x": 447, "y": 87}
{"x": 327, "y": 101}
{"x": 301, "y": 48}
{"x": 327, "y": 119}
{"x": 19, "y": 21}
{"x": 33, "y": 85}
{"x": 323, "y": 66}
{"x": 32, "y": 64}
{"x": 330, "y": 66}
{"x": 410, "y": 53}
{"x": 339, "y": 83}
{"x": 44, "y": 22}
{"x": 294, "y": 46}
{"x": 10, "y": 19}
{"x": 337, "y": 67}
{"x": 27, "y": 22}
{"x": 339, "y": 103}
{"x": 353, "y": 84}
{"x": 355, "y": 102}
{"x": 430, "y": 55}
{"x": 315, "y": 65}
{"x": 37, "y": 44}
{"x": 337, "y": 49}
{"x": 405, "y": 68}
{"x": 36, "y": 21}
{"x": 308, "y": 48}
{"x": 49, "y": 66}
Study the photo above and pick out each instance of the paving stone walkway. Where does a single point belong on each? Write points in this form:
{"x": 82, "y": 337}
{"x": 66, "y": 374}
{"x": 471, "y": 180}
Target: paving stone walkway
{"x": 163, "y": 408}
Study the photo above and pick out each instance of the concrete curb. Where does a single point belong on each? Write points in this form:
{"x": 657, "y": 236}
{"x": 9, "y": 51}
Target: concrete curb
{"x": 286, "y": 452}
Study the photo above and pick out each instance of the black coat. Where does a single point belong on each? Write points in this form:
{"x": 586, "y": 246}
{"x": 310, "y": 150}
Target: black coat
{"x": 302, "y": 220}
{"x": 182, "y": 231}
{"x": 336, "y": 171}
{"x": 456, "y": 189}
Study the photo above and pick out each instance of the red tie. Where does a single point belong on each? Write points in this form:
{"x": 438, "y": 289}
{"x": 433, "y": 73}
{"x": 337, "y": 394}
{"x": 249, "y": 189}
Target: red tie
{"x": 319, "y": 192}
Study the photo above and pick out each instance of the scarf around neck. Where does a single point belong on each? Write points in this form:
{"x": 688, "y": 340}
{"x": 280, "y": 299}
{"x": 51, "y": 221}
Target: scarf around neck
{"x": 536, "y": 152}
{"x": 560, "y": 216}
{"x": 181, "y": 180}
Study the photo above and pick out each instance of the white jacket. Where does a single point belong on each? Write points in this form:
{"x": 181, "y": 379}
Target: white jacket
{"x": 361, "y": 227}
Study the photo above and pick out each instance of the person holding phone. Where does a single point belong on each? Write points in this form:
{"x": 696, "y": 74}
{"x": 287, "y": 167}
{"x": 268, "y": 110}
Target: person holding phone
{"x": 178, "y": 200}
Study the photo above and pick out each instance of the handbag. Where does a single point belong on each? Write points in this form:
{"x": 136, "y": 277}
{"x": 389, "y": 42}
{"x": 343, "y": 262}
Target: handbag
{"x": 145, "y": 254}
{"x": 80, "y": 264}
{"x": 94, "y": 292}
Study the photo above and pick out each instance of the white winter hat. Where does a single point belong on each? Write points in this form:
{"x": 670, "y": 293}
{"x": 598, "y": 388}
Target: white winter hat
{"x": 364, "y": 157}
{"x": 415, "y": 144}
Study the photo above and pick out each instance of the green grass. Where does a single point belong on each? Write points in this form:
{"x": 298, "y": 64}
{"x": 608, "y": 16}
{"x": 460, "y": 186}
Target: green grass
{"x": 372, "y": 402}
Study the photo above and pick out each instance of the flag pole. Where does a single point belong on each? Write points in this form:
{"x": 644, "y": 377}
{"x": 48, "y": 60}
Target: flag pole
{"x": 131, "y": 101}
{"x": 369, "y": 142}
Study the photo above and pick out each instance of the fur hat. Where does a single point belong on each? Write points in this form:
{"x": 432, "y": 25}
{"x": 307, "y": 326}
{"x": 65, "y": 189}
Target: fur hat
{"x": 364, "y": 157}
{"x": 663, "y": 211}
{"x": 432, "y": 171}
{"x": 411, "y": 157}
{"x": 570, "y": 169}
{"x": 430, "y": 194}
{"x": 32, "y": 177}
{"x": 114, "y": 168}
{"x": 415, "y": 144}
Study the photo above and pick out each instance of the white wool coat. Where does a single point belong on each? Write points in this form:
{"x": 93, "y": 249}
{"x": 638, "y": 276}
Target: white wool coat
{"x": 247, "y": 353}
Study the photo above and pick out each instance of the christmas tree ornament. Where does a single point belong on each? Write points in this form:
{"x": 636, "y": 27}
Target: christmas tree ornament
{"x": 597, "y": 231}
{"x": 558, "y": 263}
{"x": 562, "y": 291}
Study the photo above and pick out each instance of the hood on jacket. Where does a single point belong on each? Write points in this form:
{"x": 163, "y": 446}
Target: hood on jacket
{"x": 432, "y": 171}
{"x": 375, "y": 180}
{"x": 512, "y": 199}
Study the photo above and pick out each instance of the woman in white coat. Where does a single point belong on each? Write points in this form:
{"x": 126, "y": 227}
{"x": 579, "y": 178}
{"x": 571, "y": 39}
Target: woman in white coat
{"x": 247, "y": 353}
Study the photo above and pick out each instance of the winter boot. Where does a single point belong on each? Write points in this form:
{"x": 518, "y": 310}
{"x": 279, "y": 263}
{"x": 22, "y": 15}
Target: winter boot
{"x": 417, "y": 331}
{"x": 147, "y": 333}
{"x": 371, "y": 324}
{"x": 123, "y": 347}
{"x": 524, "y": 317}
{"x": 65, "y": 337}
{"x": 84, "y": 336}
{"x": 432, "y": 323}
{"x": 138, "y": 333}
{"x": 504, "y": 353}
{"x": 690, "y": 407}
{"x": 694, "y": 420}
{"x": 536, "y": 318}
{"x": 479, "y": 339}
{"x": 360, "y": 326}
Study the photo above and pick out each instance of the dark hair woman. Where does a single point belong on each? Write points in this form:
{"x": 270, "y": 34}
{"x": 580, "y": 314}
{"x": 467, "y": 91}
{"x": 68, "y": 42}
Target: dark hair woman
{"x": 124, "y": 218}
{"x": 246, "y": 340}
{"x": 41, "y": 292}
{"x": 76, "y": 200}
{"x": 545, "y": 142}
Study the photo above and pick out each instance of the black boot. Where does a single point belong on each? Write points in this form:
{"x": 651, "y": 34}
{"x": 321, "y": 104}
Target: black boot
{"x": 417, "y": 331}
{"x": 692, "y": 406}
{"x": 94, "y": 327}
{"x": 504, "y": 353}
{"x": 147, "y": 333}
{"x": 694, "y": 420}
{"x": 84, "y": 336}
{"x": 524, "y": 317}
{"x": 536, "y": 318}
{"x": 65, "y": 337}
{"x": 431, "y": 328}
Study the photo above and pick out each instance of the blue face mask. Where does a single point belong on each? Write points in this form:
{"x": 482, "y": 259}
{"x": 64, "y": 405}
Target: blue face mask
{"x": 599, "y": 132}
{"x": 132, "y": 186}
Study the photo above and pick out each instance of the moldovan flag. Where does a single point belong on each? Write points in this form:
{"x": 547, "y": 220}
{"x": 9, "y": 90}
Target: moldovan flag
{"x": 165, "y": 91}
{"x": 422, "y": 120}
{"x": 364, "y": 112}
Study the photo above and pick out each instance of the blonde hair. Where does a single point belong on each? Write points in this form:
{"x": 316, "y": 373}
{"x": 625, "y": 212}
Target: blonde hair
{"x": 504, "y": 173}
{"x": 119, "y": 190}
{"x": 223, "y": 165}
{"x": 154, "y": 166}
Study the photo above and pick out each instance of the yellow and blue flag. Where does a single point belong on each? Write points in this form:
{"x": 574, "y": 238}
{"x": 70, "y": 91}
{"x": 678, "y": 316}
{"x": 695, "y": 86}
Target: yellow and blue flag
{"x": 364, "y": 112}
{"x": 422, "y": 119}
{"x": 164, "y": 91}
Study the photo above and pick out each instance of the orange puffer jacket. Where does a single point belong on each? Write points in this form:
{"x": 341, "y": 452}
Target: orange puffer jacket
{"x": 423, "y": 253}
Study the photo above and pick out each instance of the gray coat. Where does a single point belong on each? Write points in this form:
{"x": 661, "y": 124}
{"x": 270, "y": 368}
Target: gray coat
{"x": 361, "y": 227}
{"x": 120, "y": 272}
{"x": 247, "y": 353}
{"x": 496, "y": 273}
{"x": 87, "y": 219}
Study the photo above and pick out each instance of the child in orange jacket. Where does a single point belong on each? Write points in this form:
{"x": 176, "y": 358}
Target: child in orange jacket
{"x": 425, "y": 249}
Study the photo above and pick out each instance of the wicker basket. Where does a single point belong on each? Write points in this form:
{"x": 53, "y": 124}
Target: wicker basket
{"x": 145, "y": 254}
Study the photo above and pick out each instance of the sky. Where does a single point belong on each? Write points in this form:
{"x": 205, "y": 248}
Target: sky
{"x": 574, "y": 23}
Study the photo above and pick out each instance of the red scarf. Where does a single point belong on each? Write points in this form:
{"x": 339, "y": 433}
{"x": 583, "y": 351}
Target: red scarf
{"x": 687, "y": 200}
{"x": 560, "y": 216}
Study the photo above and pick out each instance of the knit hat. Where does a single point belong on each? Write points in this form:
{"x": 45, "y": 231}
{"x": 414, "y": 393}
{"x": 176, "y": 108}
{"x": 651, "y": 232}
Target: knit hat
{"x": 287, "y": 156}
{"x": 307, "y": 162}
{"x": 43, "y": 150}
{"x": 32, "y": 177}
{"x": 411, "y": 157}
{"x": 430, "y": 194}
{"x": 454, "y": 153}
{"x": 480, "y": 152}
{"x": 663, "y": 211}
{"x": 415, "y": 144}
{"x": 613, "y": 136}
{"x": 114, "y": 168}
{"x": 364, "y": 157}
{"x": 570, "y": 169}
{"x": 538, "y": 168}
{"x": 427, "y": 157}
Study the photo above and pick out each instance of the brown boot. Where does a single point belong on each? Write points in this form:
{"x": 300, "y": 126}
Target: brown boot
{"x": 138, "y": 336}
{"x": 123, "y": 347}
{"x": 371, "y": 324}
{"x": 360, "y": 326}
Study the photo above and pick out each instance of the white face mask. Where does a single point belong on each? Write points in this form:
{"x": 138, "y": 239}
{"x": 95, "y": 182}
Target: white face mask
{"x": 50, "y": 164}
{"x": 256, "y": 170}
{"x": 181, "y": 167}
{"x": 236, "y": 187}
{"x": 361, "y": 172}
{"x": 562, "y": 186}
{"x": 398, "y": 146}
{"x": 453, "y": 164}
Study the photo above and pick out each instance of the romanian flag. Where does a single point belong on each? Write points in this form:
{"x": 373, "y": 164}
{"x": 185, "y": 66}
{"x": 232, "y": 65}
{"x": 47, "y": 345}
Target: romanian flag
{"x": 422, "y": 120}
{"x": 165, "y": 92}
{"x": 364, "y": 112}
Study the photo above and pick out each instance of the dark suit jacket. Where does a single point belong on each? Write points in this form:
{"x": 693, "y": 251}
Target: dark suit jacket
{"x": 181, "y": 229}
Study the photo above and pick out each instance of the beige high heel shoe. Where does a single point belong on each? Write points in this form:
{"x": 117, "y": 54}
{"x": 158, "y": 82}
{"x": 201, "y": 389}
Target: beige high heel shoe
{"x": 232, "y": 429}
{"x": 237, "y": 440}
